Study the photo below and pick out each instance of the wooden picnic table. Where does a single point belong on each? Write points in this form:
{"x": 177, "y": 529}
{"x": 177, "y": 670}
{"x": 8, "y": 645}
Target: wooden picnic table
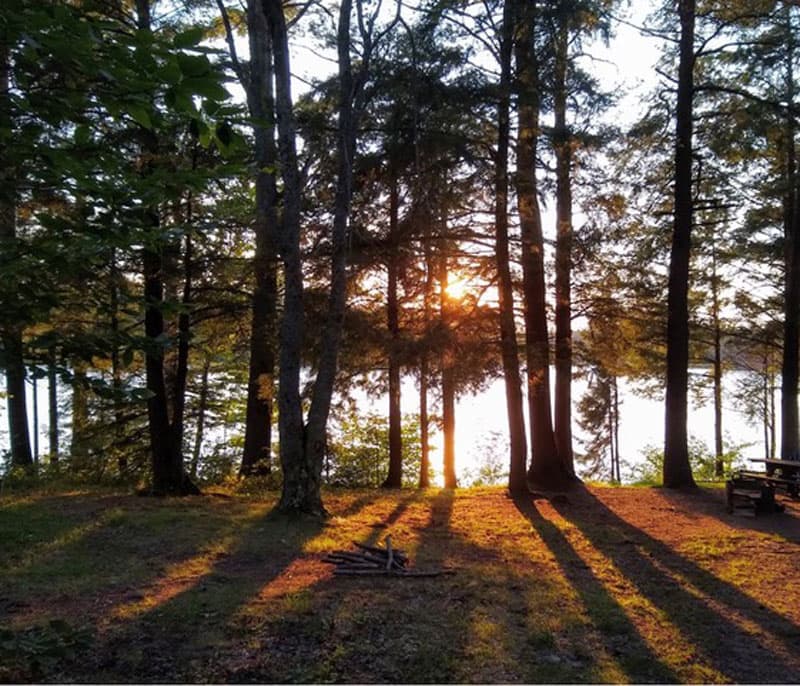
{"x": 757, "y": 490}
{"x": 789, "y": 469}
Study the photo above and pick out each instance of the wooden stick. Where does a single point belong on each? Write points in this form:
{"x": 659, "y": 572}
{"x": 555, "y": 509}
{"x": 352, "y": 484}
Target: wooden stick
{"x": 380, "y": 551}
{"x": 344, "y": 571}
{"x": 389, "y": 554}
{"x": 352, "y": 557}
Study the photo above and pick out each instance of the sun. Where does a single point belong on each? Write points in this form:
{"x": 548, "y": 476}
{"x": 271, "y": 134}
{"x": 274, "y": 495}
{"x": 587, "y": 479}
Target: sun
{"x": 457, "y": 288}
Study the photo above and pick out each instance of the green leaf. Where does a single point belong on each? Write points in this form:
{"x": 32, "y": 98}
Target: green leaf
{"x": 180, "y": 100}
{"x": 206, "y": 87}
{"x": 193, "y": 65}
{"x": 82, "y": 134}
{"x": 189, "y": 38}
{"x": 224, "y": 133}
{"x": 140, "y": 115}
{"x": 170, "y": 72}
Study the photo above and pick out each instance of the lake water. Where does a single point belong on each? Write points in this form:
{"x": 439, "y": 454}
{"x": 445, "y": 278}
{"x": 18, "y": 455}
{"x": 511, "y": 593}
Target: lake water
{"x": 481, "y": 424}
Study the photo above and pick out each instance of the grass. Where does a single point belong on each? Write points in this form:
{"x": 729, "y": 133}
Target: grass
{"x": 617, "y": 585}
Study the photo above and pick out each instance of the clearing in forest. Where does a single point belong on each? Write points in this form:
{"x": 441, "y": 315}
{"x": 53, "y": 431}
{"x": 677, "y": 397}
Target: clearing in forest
{"x": 613, "y": 585}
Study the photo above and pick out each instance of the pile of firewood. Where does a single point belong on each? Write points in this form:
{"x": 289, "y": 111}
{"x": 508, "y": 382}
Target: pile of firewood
{"x": 370, "y": 560}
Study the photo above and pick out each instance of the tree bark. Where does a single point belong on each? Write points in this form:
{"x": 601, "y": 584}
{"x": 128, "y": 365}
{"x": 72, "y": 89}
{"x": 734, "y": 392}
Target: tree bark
{"x": 563, "y": 305}
{"x": 35, "y": 418}
{"x": 677, "y": 471}
{"x": 166, "y": 436}
{"x": 11, "y": 331}
{"x": 719, "y": 466}
{"x": 303, "y": 445}
{"x": 765, "y": 404}
{"x": 116, "y": 366}
{"x": 202, "y": 407}
{"x": 772, "y": 422}
{"x": 448, "y": 380}
{"x": 80, "y": 412}
{"x": 300, "y": 491}
{"x": 394, "y": 479}
{"x": 52, "y": 407}
{"x": 615, "y": 410}
{"x": 546, "y": 470}
{"x": 424, "y": 369}
{"x": 517, "y": 481}
{"x": 790, "y": 369}
{"x": 349, "y": 90}
{"x": 260, "y": 388}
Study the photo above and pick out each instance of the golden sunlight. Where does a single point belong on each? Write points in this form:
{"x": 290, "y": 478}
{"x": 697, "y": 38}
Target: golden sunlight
{"x": 457, "y": 287}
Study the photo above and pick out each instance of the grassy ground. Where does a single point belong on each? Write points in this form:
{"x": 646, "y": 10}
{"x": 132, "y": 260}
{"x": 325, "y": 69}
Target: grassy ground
{"x": 611, "y": 585}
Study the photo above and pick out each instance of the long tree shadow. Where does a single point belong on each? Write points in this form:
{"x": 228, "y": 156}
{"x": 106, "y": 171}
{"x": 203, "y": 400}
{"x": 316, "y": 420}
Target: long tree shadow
{"x": 620, "y": 637}
{"x": 477, "y": 625}
{"x": 162, "y": 631}
{"x": 264, "y": 608}
{"x": 327, "y": 631}
{"x": 721, "y": 621}
{"x": 94, "y": 547}
{"x": 168, "y": 631}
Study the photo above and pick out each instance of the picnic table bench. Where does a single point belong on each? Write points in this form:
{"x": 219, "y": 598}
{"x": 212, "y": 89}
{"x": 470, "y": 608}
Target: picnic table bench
{"x": 756, "y": 490}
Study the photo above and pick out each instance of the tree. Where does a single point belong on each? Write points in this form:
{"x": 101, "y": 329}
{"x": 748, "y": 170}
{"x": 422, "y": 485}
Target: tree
{"x": 508, "y": 330}
{"x": 13, "y": 361}
{"x": 677, "y": 470}
{"x": 546, "y": 468}
{"x": 303, "y": 442}
{"x": 790, "y": 367}
{"x": 257, "y": 80}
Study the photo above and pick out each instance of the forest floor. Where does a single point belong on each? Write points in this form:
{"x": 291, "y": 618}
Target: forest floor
{"x": 607, "y": 585}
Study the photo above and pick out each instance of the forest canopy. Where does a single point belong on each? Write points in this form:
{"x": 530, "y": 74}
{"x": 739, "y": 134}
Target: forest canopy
{"x": 209, "y": 257}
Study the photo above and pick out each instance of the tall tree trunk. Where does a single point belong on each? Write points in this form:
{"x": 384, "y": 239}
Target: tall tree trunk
{"x": 116, "y": 365}
{"x": 80, "y": 412}
{"x": 719, "y": 465}
{"x": 167, "y": 471}
{"x": 11, "y": 331}
{"x": 52, "y": 407}
{"x": 765, "y": 404}
{"x": 349, "y": 89}
{"x": 448, "y": 379}
{"x": 772, "y": 420}
{"x": 563, "y": 305}
{"x": 300, "y": 491}
{"x": 35, "y": 403}
{"x": 517, "y": 481}
{"x": 424, "y": 369}
{"x": 424, "y": 441}
{"x": 394, "y": 479}
{"x": 19, "y": 438}
{"x": 677, "y": 471}
{"x": 166, "y": 436}
{"x": 202, "y": 407}
{"x": 790, "y": 369}
{"x": 546, "y": 469}
{"x": 182, "y": 362}
{"x": 615, "y": 411}
{"x": 260, "y": 387}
